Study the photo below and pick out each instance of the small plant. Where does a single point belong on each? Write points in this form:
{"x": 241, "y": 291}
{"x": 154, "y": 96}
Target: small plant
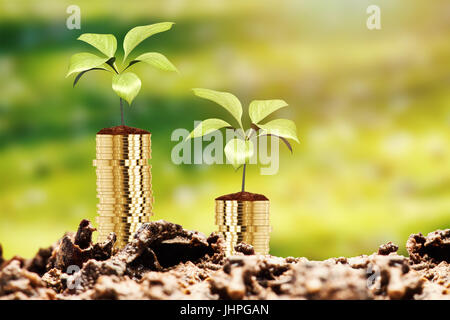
{"x": 239, "y": 150}
{"x": 126, "y": 84}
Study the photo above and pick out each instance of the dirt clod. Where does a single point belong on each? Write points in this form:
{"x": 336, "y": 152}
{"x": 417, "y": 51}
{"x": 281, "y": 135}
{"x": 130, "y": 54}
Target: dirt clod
{"x": 244, "y": 248}
{"x": 165, "y": 261}
{"x": 387, "y": 248}
{"x": 122, "y": 130}
{"x": 243, "y": 196}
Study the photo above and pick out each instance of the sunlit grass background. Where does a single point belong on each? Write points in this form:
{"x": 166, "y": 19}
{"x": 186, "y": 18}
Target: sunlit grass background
{"x": 372, "y": 109}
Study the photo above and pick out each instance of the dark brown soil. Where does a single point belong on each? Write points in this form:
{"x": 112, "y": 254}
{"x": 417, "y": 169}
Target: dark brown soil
{"x": 243, "y": 196}
{"x": 122, "y": 130}
{"x": 165, "y": 261}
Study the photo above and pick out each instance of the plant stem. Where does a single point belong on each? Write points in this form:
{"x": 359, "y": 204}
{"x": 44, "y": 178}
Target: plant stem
{"x": 121, "y": 112}
{"x": 243, "y": 178}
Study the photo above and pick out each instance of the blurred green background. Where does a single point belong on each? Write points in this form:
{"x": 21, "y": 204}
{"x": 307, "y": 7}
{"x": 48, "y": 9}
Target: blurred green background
{"x": 372, "y": 109}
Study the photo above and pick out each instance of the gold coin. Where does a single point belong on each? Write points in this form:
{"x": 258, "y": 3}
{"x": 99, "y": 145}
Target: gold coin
{"x": 121, "y": 236}
{"x": 126, "y": 202}
{"x": 124, "y": 169}
{"x": 123, "y": 205}
{"x": 123, "y": 139}
{"x": 112, "y": 186}
{"x": 129, "y": 204}
{"x": 123, "y": 187}
{"x": 122, "y": 145}
{"x": 246, "y": 234}
{"x": 123, "y": 192}
{"x": 121, "y": 153}
{"x": 123, "y": 178}
{"x": 120, "y": 168}
{"x": 123, "y": 195}
{"x": 124, "y": 213}
{"x": 123, "y": 149}
{"x": 246, "y": 238}
{"x": 242, "y": 215}
{"x": 252, "y": 243}
{"x": 242, "y": 204}
{"x": 125, "y": 184}
{"x": 127, "y": 212}
{"x": 246, "y": 228}
{"x": 115, "y": 144}
{"x": 112, "y": 197}
{"x": 123, "y": 199}
{"x": 122, "y": 226}
{"x": 234, "y": 237}
{"x": 114, "y": 163}
{"x": 129, "y": 194}
{"x": 123, "y": 156}
{"x": 119, "y": 226}
{"x": 143, "y": 217}
{"x": 149, "y": 199}
{"x": 124, "y": 175}
{"x": 242, "y": 223}
{"x": 249, "y": 212}
{"x": 123, "y": 219}
{"x": 249, "y": 231}
{"x": 256, "y": 214}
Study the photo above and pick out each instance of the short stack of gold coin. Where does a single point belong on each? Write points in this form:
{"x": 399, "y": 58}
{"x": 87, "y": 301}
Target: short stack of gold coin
{"x": 124, "y": 185}
{"x": 244, "y": 221}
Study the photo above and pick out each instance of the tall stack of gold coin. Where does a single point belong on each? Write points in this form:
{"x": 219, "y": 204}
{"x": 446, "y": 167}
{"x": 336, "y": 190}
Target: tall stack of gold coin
{"x": 124, "y": 184}
{"x": 244, "y": 221}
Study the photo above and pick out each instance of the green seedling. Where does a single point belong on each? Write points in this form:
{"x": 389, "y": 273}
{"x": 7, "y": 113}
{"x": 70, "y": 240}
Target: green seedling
{"x": 239, "y": 150}
{"x": 125, "y": 83}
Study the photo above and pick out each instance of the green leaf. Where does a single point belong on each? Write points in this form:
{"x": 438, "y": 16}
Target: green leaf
{"x": 139, "y": 34}
{"x": 157, "y": 60}
{"x": 259, "y": 109}
{"x": 207, "y": 126}
{"x": 225, "y": 99}
{"x": 84, "y": 61}
{"x": 126, "y": 85}
{"x": 105, "y": 43}
{"x": 238, "y": 151}
{"x": 280, "y": 127}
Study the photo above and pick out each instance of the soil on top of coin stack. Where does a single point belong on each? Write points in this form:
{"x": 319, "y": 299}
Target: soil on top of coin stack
{"x": 165, "y": 261}
{"x": 243, "y": 196}
{"x": 122, "y": 130}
